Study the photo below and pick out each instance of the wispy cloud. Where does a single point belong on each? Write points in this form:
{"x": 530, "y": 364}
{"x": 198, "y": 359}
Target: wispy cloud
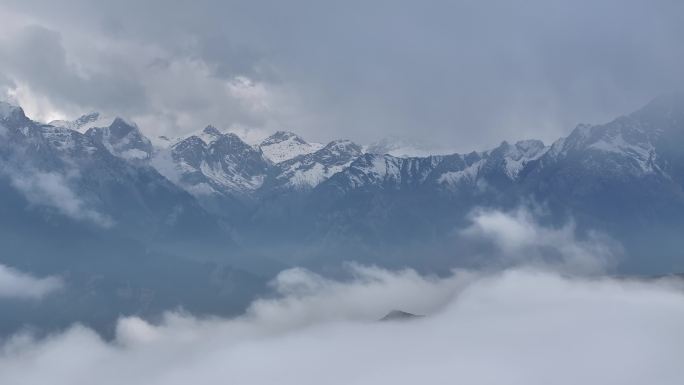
{"x": 16, "y": 284}
{"x": 52, "y": 189}
{"x": 521, "y": 239}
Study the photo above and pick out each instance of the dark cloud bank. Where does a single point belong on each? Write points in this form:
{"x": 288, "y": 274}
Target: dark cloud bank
{"x": 466, "y": 73}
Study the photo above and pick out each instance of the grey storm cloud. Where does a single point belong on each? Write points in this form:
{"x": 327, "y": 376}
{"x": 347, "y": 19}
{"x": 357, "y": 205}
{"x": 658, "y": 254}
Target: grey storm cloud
{"x": 463, "y": 74}
{"x": 36, "y": 55}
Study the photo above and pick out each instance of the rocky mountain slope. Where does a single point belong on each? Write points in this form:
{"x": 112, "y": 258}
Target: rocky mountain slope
{"x": 620, "y": 177}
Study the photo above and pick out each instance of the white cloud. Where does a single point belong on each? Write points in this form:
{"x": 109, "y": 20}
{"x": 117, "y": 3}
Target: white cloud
{"x": 36, "y": 105}
{"x": 253, "y": 96}
{"x": 15, "y": 284}
{"x": 522, "y": 239}
{"x": 51, "y": 189}
{"x": 519, "y": 327}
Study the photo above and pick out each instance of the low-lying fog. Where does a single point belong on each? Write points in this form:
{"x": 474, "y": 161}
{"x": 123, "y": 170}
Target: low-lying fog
{"x": 547, "y": 313}
{"x": 521, "y": 326}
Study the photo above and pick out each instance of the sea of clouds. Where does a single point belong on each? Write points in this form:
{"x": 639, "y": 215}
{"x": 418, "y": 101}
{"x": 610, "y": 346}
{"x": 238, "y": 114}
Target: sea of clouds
{"x": 515, "y": 327}
{"x": 530, "y": 323}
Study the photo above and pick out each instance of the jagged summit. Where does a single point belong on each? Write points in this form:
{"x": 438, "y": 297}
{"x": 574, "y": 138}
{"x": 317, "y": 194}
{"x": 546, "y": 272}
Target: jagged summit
{"x": 9, "y": 110}
{"x": 89, "y": 117}
{"x": 232, "y": 143}
{"x": 209, "y": 134}
{"x": 211, "y": 130}
{"x": 85, "y": 122}
{"x": 123, "y": 139}
{"x": 530, "y": 145}
{"x": 120, "y": 128}
{"x": 213, "y": 163}
{"x": 307, "y": 171}
{"x": 342, "y": 146}
{"x": 285, "y": 145}
{"x": 280, "y": 136}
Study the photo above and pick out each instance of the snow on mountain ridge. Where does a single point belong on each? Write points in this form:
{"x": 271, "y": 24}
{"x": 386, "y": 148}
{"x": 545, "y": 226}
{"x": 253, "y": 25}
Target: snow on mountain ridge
{"x": 518, "y": 155}
{"x": 209, "y": 134}
{"x": 76, "y": 176}
{"x": 309, "y": 170}
{"x": 629, "y": 140}
{"x": 468, "y": 174}
{"x": 284, "y": 145}
{"x": 123, "y": 139}
{"x": 213, "y": 162}
{"x": 284, "y": 160}
{"x": 88, "y": 121}
{"x": 447, "y": 171}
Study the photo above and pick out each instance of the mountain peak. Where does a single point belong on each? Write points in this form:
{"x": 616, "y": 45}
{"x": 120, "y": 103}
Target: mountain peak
{"x": 341, "y": 142}
{"x": 87, "y": 118}
{"x": 208, "y": 135}
{"x": 85, "y": 122}
{"x": 285, "y": 145}
{"x": 230, "y": 140}
{"x": 282, "y": 136}
{"x": 211, "y": 130}
{"x": 122, "y": 138}
{"x": 9, "y": 110}
{"x": 233, "y": 137}
{"x": 529, "y": 144}
{"x": 343, "y": 145}
{"x": 120, "y": 127}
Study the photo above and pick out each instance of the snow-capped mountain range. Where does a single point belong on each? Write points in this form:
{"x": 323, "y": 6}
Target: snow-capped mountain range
{"x": 99, "y": 177}
{"x": 214, "y": 162}
{"x": 620, "y": 176}
{"x": 139, "y": 226}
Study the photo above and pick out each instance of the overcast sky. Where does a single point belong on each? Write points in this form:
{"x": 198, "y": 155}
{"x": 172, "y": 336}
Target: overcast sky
{"x": 459, "y": 74}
